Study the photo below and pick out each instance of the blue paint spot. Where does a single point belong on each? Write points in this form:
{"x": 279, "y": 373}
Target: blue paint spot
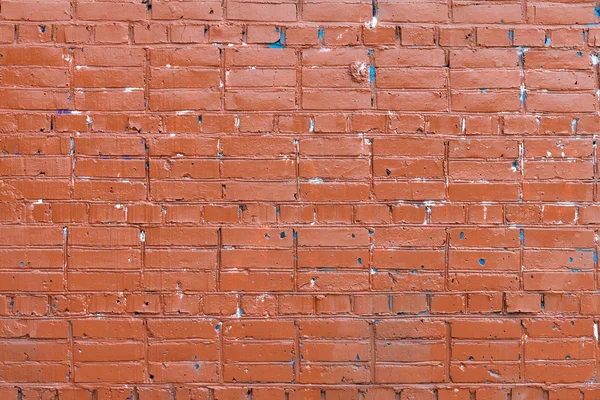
{"x": 575, "y": 270}
{"x": 295, "y": 234}
{"x": 579, "y": 54}
{"x": 370, "y": 52}
{"x": 217, "y": 327}
{"x": 521, "y": 52}
{"x": 42, "y": 28}
{"x": 197, "y": 366}
{"x": 372, "y": 74}
{"x": 267, "y": 236}
{"x": 321, "y": 34}
{"x": 357, "y": 358}
{"x": 280, "y": 44}
{"x": 461, "y": 235}
{"x": 514, "y": 164}
{"x": 61, "y": 112}
{"x": 282, "y": 235}
{"x": 522, "y": 237}
{"x": 481, "y": 261}
{"x": 547, "y": 41}
{"x": 511, "y": 35}
{"x": 359, "y": 260}
{"x": 570, "y": 259}
{"x": 597, "y": 12}
{"x": 595, "y": 256}
{"x": 199, "y": 119}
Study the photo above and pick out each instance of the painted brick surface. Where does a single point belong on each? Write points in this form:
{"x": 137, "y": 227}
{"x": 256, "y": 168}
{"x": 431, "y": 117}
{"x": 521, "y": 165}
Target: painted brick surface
{"x": 312, "y": 199}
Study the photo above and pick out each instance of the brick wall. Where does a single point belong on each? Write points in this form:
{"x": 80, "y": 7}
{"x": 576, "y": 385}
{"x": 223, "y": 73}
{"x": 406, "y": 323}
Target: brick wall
{"x": 312, "y": 199}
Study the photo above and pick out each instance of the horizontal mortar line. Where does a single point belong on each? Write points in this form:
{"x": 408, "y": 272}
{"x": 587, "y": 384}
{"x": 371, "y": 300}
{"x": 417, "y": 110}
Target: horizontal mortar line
{"x": 345, "y": 317}
{"x": 138, "y": 292}
{"x": 297, "y": 226}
